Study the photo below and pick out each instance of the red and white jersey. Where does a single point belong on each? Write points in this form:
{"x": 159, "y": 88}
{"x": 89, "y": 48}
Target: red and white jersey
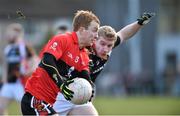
{"x": 65, "y": 49}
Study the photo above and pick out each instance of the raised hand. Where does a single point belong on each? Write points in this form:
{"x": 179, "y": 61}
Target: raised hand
{"x": 145, "y": 18}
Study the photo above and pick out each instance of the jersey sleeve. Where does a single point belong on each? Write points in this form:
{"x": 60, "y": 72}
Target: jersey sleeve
{"x": 118, "y": 41}
{"x": 85, "y": 74}
{"x": 56, "y": 46}
{"x": 48, "y": 63}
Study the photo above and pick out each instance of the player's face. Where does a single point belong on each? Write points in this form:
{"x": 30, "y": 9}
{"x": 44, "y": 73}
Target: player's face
{"x": 103, "y": 47}
{"x": 90, "y": 34}
{"x": 13, "y": 34}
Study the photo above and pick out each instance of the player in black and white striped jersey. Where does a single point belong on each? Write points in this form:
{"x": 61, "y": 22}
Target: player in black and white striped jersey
{"x": 16, "y": 56}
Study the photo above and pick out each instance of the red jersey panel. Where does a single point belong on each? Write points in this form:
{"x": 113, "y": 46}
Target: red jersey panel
{"x": 66, "y": 50}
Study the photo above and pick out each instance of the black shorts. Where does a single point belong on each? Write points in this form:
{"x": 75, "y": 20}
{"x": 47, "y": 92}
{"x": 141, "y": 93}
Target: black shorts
{"x": 33, "y": 106}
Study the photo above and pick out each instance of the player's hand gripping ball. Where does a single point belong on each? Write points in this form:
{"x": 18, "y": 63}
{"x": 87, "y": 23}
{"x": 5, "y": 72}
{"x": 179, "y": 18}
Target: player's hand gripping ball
{"x": 82, "y": 91}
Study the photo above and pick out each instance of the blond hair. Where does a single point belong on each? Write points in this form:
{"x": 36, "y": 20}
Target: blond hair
{"x": 107, "y": 32}
{"x": 15, "y": 27}
{"x": 83, "y": 18}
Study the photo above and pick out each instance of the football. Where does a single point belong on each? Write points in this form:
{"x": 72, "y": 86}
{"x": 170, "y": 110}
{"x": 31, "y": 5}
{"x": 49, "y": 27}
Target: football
{"x": 82, "y": 91}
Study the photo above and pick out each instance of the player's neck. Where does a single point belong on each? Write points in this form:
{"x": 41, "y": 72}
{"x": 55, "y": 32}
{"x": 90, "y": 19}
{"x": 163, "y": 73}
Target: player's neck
{"x": 80, "y": 41}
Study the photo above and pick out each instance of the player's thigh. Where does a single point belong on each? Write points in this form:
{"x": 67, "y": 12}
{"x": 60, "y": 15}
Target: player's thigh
{"x": 88, "y": 109}
{"x": 30, "y": 105}
{"x": 62, "y": 106}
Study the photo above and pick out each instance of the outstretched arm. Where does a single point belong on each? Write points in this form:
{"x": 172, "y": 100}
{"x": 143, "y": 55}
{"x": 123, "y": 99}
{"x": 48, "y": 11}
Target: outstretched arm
{"x": 130, "y": 30}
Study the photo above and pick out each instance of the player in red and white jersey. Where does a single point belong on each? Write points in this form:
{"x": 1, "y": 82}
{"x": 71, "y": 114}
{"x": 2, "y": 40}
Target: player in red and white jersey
{"x": 64, "y": 56}
{"x": 99, "y": 55}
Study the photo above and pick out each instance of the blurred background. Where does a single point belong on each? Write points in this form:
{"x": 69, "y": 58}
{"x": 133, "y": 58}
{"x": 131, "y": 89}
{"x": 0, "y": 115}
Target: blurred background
{"x": 143, "y": 74}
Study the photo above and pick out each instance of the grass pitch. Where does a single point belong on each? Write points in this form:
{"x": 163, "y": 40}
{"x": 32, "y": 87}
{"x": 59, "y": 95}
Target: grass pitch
{"x": 138, "y": 106}
{"x": 128, "y": 106}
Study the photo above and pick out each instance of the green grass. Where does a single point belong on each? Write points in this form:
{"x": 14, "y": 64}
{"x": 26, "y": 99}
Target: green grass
{"x": 138, "y": 105}
{"x": 129, "y": 106}
{"x": 14, "y": 109}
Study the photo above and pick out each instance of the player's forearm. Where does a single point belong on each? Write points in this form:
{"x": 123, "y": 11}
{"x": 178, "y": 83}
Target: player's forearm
{"x": 128, "y": 31}
{"x": 49, "y": 64}
{"x": 85, "y": 74}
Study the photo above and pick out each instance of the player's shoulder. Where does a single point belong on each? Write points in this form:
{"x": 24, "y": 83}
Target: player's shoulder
{"x": 7, "y": 48}
{"x": 67, "y": 37}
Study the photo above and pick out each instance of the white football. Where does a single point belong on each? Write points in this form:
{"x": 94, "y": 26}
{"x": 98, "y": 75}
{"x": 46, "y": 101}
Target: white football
{"x": 82, "y": 91}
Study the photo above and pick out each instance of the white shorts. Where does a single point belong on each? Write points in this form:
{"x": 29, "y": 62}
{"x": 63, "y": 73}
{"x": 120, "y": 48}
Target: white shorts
{"x": 12, "y": 91}
{"x": 63, "y": 106}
